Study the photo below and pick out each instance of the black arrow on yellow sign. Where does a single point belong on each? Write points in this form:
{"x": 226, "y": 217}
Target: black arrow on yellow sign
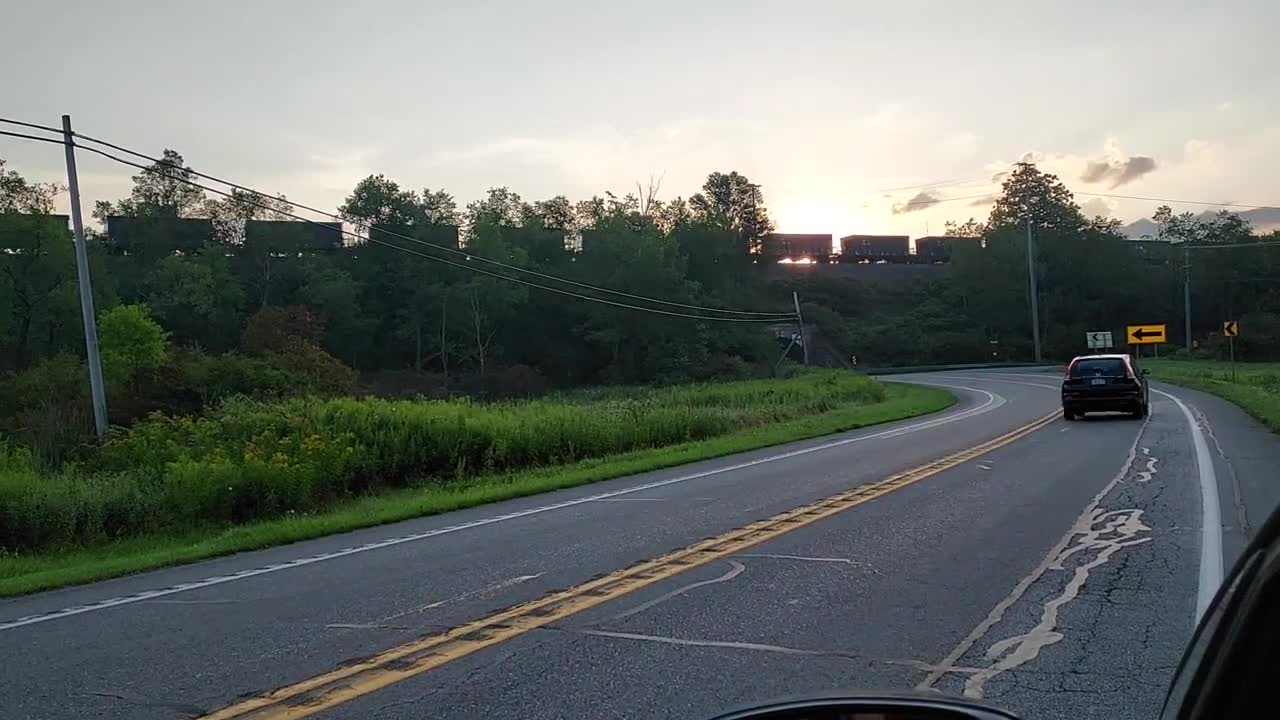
{"x": 1230, "y": 328}
{"x": 1146, "y": 334}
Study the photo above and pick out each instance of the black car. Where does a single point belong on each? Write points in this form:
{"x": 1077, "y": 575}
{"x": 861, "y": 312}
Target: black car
{"x": 1097, "y": 383}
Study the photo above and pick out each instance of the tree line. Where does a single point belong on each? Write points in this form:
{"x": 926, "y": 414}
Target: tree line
{"x": 1090, "y": 278}
{"x": 376, "y": 307}
{"x": 405, "y": 322}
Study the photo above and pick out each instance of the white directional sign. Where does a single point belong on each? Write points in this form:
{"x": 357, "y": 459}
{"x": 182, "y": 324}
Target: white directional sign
{"x": 1099, "y": 340}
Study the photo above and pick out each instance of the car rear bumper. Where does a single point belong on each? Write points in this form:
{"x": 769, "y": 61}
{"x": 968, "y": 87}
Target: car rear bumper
{"x": 1085, "y": 402}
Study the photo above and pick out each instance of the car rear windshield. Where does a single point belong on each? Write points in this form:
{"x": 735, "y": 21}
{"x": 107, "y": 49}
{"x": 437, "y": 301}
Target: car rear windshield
{"x": 1095, "y": 367}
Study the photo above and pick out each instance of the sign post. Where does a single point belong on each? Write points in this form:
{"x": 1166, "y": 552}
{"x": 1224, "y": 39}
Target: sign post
{"x": 1231, "y": 329}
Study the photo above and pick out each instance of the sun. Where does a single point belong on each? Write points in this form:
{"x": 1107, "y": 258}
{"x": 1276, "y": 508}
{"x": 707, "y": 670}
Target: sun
{"x": 818, "y": 215}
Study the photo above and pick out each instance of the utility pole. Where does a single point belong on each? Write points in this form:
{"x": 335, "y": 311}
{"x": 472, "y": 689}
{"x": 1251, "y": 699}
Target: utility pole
{"x": 86, "y": 290}
{"x": 804, "y": 343}
{"x": 1186, "y": 293}
{"x": 1031, "y": 275}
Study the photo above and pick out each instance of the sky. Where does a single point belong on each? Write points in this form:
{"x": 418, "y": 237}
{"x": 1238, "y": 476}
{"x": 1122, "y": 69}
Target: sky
{"x": 829, "y": 106}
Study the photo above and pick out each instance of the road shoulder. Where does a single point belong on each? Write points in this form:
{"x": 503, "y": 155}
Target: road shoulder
{"x": 1245, "y": 455}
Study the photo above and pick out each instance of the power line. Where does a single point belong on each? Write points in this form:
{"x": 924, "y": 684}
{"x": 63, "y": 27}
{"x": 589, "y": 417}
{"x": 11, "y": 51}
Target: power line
{"x": 444, "y": 248}
{"x": 500, "y": 276}
{"x": 953, "y": 182}
{"x": 940, "y": 183}
{"x": 25, "y": 136}
{"x": 942, "y": 200}
{"x": 1185, "y": 202}
{"x": 33, "y": 126}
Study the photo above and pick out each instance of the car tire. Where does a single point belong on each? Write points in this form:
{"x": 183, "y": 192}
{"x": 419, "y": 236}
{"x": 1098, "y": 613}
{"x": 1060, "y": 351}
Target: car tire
{"x": 1068, "y": 414}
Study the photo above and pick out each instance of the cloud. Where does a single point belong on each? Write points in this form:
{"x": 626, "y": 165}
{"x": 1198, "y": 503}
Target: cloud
{"x": 1096, "y": 207}
{"x": 1115, "y": 168}
{"x": 922, "y": 200}
{"x": 984, "y": 201}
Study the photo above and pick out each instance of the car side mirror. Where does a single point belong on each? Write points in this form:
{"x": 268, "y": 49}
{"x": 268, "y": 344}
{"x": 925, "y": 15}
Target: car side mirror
{"x": 871, "y": 707}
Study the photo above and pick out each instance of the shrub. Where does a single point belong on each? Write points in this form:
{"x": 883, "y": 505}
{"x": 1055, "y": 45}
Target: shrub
{"x": 46, "y": 407}
{"x": 132, "y": 344}
{"x": 250, "y": 459}
{"x": 276, "y": 329}
{"x": 39, "y": 509}
{"x": 288, "y": 337}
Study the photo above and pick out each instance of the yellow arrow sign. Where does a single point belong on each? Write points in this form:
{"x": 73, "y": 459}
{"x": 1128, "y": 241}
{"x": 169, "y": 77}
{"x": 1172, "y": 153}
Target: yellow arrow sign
{"x": 1146, "y": 334}
{"x": 1230, "y": 328}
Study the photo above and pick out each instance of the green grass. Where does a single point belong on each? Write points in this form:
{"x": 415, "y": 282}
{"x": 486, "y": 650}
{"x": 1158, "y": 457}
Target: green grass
{"x": 250, "y": 460}
{"x": 43, "y": 569}
{"x": 1256, "y": 388}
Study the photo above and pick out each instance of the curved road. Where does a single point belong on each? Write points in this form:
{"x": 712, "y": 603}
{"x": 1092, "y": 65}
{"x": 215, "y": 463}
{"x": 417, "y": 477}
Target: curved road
{"x": 1056, "y": 574}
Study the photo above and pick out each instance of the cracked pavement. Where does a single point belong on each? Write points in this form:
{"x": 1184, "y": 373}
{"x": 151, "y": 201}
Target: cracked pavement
{"x": 917, "y": 586}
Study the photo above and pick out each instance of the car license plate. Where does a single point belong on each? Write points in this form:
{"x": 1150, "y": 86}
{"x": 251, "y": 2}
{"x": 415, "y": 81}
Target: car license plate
{"x": 1098, "y": 381}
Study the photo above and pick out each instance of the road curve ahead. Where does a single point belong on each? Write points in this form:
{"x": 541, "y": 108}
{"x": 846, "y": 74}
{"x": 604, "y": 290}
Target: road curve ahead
{"x": 992, "y": 549}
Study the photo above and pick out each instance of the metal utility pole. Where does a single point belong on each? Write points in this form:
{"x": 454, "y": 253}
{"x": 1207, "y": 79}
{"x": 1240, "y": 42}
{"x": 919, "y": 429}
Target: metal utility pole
{"x": 86, "y": 290}
{"x": 1186, "y": 293}
{"x": 1031, "y": 275}
{"x": 804, "y": 343}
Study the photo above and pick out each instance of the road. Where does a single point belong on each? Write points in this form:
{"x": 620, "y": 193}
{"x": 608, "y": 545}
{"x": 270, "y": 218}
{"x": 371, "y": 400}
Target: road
{"x": 1055, "y": 570}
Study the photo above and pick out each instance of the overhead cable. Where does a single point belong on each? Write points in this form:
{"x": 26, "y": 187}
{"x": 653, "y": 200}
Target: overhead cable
{"x": 442, "y": 248}
{"x": 433, "y": 258}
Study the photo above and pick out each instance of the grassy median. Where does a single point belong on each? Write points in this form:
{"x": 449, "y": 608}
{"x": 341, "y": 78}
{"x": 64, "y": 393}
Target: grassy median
{"x": 1256, "y": 387}
{"x": 252, "y": 475}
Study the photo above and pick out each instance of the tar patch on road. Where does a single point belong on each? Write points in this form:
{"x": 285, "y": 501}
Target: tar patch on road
{"x": 1097, "y": 630}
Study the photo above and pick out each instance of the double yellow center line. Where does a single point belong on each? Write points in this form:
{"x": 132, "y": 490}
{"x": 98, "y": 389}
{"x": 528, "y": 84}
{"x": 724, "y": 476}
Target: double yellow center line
{"x": 428, "y": 652}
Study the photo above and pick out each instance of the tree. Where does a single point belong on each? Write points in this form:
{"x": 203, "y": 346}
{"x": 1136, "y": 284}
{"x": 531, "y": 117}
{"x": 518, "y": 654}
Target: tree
{"x": 198, "y": 298}
{"x": 161, "y": 190}
{"x": 672, "y": 215}
{"x": 376, "y": 200}
{"x": 288, "y": 337}
{"x": 969, "y": 229}
{"x": 735, "y": 202}
{"x": 630, "y": 253}
{"x": 500, "y": 207}
{"x": 37, "y": 270}
{"x": 132, "y": 344}
{"x": 554, "y": 214}
{"x": 17, "y": 195}
{"x": 491, "y": 303}
{"x": 230, "y": 214}
{"x": 1028, "y": 194}
{"x": 438, "y": 207}
{"x": 334, "y": 296}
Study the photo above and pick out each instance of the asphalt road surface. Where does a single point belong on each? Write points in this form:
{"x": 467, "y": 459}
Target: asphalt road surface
{"x": 1057, "y": 574}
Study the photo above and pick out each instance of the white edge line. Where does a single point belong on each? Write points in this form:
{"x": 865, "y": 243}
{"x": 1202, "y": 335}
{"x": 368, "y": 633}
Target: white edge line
{"x": 992, "y": 402}
{"x": 1211, "y": 563}
{"x": 944, "y": 666}
{"x": 1210, "y": 514}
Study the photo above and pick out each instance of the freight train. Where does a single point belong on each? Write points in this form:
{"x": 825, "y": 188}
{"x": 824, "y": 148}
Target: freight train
{"x": 820, "y": 249}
